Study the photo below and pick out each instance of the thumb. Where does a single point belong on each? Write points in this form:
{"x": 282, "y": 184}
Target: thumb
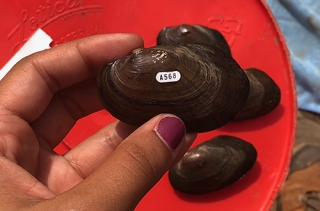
{"x": 142, "y": 159}
{"x": 133, "y": 168}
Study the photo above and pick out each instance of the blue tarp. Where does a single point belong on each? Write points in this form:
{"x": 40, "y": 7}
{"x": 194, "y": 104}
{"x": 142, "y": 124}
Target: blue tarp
{"x": 299, "y": 21}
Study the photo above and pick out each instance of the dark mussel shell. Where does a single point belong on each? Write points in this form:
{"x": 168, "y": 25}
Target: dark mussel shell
{"x": 199, "y": 34}
{"x": 201, "y": 84}
{"x": 213, "y": 165}
{"x": 264, "y": 96}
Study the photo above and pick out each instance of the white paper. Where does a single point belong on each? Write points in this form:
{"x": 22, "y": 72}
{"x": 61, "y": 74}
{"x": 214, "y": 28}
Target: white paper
{"x": 38, "y": 42}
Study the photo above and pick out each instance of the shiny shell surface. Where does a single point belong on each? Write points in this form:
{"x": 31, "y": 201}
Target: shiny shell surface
{"x": 201, "y": 84}
{"x": 213, "y": 165}
{"x": 187, "y": 33}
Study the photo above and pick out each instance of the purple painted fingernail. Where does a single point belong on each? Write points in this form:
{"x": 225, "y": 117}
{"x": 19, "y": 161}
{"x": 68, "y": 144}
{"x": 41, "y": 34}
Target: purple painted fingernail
{"x": 171, "y": 130}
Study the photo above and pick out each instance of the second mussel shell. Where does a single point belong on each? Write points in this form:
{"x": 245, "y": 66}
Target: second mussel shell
{"x": 213, "y": 165}
{"x": 201, "y": 84}
{"x": 192, "y": 33}
{"x": 264, "y": 95}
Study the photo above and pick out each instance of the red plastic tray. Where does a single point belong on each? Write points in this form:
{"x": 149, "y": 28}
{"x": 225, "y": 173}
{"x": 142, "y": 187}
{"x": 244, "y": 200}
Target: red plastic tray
{"x": 255, "y": 41}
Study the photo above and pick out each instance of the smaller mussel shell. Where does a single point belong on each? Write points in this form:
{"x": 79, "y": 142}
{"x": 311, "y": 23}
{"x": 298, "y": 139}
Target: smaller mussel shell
{"x": 187, "y": 33}
{"x": 264, "y": 96}
{"x": 209, "y": 92}
{"x": 213, "y": 165}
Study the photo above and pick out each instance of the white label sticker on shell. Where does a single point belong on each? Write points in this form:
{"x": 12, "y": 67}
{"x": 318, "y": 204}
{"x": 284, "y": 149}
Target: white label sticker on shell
{"x": 166, "y": 77}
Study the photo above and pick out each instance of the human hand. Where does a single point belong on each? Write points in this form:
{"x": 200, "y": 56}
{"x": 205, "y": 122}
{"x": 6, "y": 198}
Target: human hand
{"x": 41, "y": 98}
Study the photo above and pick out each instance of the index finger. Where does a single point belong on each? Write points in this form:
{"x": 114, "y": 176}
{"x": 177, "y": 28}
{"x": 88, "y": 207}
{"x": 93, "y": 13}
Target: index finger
{"x": 40, "y": 75}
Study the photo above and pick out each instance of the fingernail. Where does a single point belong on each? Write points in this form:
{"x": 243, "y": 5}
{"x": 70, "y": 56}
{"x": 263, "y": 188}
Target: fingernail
{"x": 171, "y": 130}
